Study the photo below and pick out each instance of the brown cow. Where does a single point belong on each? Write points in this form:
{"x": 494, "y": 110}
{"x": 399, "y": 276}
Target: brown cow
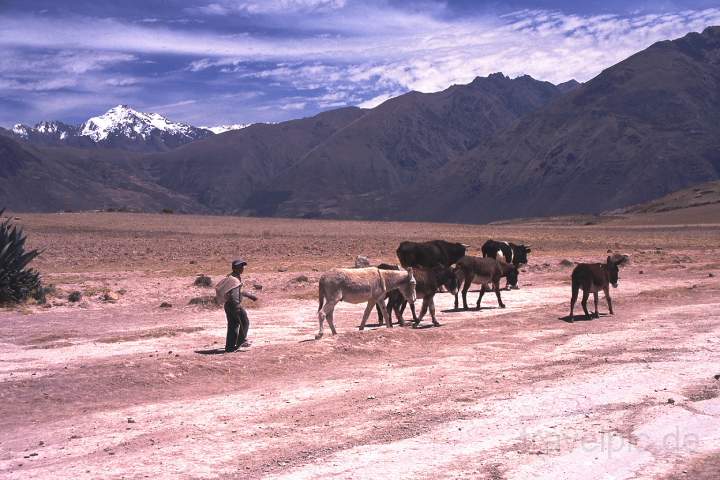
{"x": 592, "y": 277}
{"x": 429, "y": 281}
{"x": 483, "y": 271}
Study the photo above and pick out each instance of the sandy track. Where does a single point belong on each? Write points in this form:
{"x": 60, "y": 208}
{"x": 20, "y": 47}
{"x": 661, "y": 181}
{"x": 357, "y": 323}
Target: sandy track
{"x": 119, "y": 391}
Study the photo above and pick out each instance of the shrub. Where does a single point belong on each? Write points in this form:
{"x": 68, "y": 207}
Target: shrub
{"x": 168, "y": 210}
{"x": 17, "y": 282}
{"x": 203, "y": 281}
{"x": 75, "y": 296}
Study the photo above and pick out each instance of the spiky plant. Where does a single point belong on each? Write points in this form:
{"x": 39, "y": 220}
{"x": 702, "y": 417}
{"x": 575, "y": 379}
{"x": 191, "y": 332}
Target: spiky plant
{"x": 17, "y": 282}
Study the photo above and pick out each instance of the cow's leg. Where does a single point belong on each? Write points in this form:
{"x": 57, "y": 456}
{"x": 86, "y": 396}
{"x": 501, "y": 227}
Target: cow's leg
{"x": 606, "y": 290}
{"x": 466, "y": 287}
{"x": 423, "y": 311}
{"x": 326, "y": 312}
{"x": 331, "y": 321}
{"x": 456, "y": 299}
{"x": 595, "y": 299}
{"x": 573, "y": 299}
{"x": 482, "y": 292}
{"x": 385, "y": 313}
{"x": 399, "y": 309}
{"x": 496, "y": 286}
{"x": 368, "y": 309}
{"x": 379, "y": 314}
{"x": 583, "y": 302}
{"x": 432, "y": 311}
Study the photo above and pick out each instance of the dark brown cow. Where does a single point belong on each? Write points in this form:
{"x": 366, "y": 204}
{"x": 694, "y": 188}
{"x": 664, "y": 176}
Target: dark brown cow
{"x": 593, "y": 277}
{"x": 483, "y": 271}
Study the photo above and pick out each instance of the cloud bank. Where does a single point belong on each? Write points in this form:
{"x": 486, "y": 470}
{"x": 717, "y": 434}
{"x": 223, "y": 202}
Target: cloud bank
{"x": 243, "y": 61}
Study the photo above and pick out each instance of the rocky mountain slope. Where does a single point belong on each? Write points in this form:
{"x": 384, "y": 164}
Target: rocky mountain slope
{"x": 642, "y": 128}
{"x": 33, "y": 179}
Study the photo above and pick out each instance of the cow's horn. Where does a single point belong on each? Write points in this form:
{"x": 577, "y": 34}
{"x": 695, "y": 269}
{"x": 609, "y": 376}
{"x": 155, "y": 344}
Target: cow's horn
{"x": 465, "y": 245}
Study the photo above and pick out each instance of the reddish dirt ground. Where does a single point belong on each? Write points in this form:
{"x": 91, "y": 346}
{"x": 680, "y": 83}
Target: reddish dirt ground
{"x": 95, "y": 389}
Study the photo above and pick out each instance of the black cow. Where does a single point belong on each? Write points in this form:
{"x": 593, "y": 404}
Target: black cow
{"x": 430, "y": 254}
{"x": 507, "y": 252}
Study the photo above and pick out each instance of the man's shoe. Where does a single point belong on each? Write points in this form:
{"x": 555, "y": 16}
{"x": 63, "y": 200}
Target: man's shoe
{"x": 245, "y": 344}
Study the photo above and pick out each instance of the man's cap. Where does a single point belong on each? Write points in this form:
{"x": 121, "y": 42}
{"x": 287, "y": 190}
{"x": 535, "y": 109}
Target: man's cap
{"x": 239, "y": 263}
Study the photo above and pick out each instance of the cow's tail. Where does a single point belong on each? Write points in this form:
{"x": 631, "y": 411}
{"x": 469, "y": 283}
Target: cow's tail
{"x": 321, "y": 295}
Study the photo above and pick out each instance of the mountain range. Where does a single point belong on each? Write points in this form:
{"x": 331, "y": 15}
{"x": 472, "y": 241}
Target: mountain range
{"x": 494, "y": 148}
{"x": 120, "y": 127}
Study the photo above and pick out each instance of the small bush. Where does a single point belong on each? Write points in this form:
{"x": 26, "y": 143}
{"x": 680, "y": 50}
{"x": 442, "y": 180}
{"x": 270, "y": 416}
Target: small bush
{"x": 17, "y": 282}
{"x": 204, "y": 301}
{"x": 75, "y": 296}
{"x": 168, "y": 211}
{"x": 41, "y": 293}
{"x": 203, "y": 281}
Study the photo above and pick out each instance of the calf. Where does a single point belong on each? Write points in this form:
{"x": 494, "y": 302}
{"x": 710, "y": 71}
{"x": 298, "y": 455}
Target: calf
{"x": 430, "y": 254}
{"x": 483, "y": 271}
{"x": 592, "y": 277}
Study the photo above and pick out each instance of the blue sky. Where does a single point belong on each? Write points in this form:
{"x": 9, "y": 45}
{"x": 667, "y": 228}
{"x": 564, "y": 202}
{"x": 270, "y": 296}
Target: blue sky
{"x": 239, "y": 61}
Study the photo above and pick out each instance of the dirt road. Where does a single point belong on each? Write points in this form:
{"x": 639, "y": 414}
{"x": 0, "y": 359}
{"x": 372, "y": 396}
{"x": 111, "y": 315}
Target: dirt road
{"x": 130, "y": 390}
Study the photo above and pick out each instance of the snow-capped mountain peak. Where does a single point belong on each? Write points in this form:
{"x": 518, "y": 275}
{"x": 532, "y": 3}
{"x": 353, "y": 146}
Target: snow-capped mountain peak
{"x": 123, "y": 121}
{"x": 45, "y": 130}
{"x": 226, "y": 128}
{"x": 21, "y": 130}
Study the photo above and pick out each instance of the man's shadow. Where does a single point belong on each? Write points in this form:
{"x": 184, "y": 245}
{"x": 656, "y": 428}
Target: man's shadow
{"x": 212, "y": 351}
{"x": 581, "y": 318}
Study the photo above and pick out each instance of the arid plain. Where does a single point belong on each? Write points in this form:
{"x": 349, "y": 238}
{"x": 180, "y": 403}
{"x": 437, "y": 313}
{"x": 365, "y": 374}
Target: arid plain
{"x": 114, "y": 386}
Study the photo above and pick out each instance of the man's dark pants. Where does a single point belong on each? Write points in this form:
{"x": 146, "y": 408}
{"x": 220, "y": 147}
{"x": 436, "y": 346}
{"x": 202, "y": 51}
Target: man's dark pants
{"x": 238, "y": 326}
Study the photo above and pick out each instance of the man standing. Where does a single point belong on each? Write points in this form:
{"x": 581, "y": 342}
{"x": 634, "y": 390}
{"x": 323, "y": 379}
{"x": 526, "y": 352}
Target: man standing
{"x": 229, "y": 291}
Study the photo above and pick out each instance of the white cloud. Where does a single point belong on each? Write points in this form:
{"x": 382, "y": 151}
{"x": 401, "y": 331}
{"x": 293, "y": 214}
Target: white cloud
{"x": 343, "y": 53}
{"x": 430, "y": 55}
{"x": 375, "y": 101}
{"x": 225, "y": 7}
{"x": 294, "y": 106}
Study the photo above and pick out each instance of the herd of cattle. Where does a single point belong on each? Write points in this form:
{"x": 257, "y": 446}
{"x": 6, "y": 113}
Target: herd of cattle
{"x": 428, "y": 267}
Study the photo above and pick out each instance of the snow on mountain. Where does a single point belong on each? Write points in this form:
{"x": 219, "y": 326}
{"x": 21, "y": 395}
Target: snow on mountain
{"x": 226, "y": 128}
{"x": 123, "y": 121}
{"x": 45, "y": 132}
{"x": 21, "y": 130}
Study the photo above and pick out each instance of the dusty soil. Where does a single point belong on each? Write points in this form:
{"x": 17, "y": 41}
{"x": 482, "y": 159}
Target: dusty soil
{"x": 126, "y": 389}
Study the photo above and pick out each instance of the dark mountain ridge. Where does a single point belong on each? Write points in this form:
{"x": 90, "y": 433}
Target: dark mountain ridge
{"x": 495, "y": 148}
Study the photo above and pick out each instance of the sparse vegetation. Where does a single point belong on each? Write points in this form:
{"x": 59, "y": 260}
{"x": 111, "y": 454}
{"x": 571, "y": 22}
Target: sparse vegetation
{"x": 75, "y": 296}
{"x": 204, "y": 300}
{"x": 203, "y": 281}
{"x": 168, "y": 211}
{"x": 17, "y": 282}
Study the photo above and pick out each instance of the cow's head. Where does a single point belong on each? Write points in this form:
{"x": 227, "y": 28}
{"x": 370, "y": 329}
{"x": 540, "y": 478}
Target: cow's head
{"x": 520, "y": 253}
{"x": 512, "y": 275}
{"x": 447, "y": 278}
